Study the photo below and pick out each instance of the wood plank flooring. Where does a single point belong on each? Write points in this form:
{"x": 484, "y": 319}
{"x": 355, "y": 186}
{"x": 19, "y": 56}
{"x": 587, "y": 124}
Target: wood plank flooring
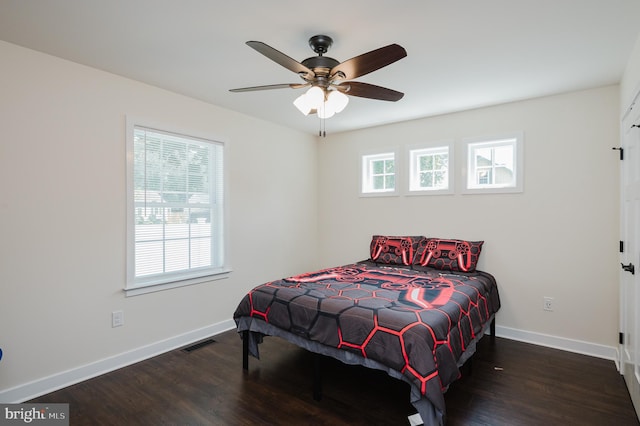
{"x": 512, "y": 383}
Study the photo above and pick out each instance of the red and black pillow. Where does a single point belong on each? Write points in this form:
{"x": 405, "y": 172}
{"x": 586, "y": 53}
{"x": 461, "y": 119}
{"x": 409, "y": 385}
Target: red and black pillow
{"x": 448, "y": 254}
{"x": 394, "y": 250}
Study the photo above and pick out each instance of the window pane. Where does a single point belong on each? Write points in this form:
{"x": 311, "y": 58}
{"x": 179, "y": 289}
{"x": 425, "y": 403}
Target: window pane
{"x": 503, "y": 156}
{"x": 440, "y": 179}
{"x": 503, "y": 176}
{"x": 175, "y": 171}
{"x": 200, "y": 216}
{"x": 483, "y": 157}
{"x": 149, "y": 231}
{"x": 198, "y": 182}
{"x": 483, "y": 177}
{"x": 200, "y": 252}
{"x": 378, "y": 182}
{"x": 390, "y": 182}
{"x": 378, "y": 167}
{"x": 389, "y": 166}
{"x": 177, "y": 255}
{"x": 426, "y": 180}
{"x": 149, "y": 257}
{"x": 426, "y": 162}
{"x": 176, "y": 231}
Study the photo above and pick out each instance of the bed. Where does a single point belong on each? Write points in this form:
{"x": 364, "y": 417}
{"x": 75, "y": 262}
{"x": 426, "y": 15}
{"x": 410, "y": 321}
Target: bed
{"x": 415, "y": 309}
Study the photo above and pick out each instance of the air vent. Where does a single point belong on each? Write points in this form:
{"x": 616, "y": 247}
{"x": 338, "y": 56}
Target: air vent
{"x": 198, "y": 345}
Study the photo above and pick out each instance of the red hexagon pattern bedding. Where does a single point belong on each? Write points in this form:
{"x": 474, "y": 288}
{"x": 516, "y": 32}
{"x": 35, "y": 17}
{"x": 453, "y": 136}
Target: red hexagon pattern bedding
{"x": 417, "y": 321}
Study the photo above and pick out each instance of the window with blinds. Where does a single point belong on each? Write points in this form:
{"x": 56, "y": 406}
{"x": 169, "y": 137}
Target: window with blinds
{"x": 175, "y": 206}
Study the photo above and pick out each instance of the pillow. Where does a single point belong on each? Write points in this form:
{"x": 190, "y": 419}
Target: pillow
{"x": 394, "y": 250}
{"x": 451, "y": 255}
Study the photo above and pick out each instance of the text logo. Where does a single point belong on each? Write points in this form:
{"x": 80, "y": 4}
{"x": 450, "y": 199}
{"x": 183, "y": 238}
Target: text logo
{"x": 34, "y": 414}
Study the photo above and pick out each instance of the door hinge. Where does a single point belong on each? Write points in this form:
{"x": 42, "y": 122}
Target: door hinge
{"x": 621, "y": 338}
{"x": 621, "y": 246}
{"x": 621, "y": 152}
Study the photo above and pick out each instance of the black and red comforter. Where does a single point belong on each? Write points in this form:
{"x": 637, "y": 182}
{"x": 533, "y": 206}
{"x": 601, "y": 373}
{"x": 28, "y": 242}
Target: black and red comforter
{"x": 414, "y": 320}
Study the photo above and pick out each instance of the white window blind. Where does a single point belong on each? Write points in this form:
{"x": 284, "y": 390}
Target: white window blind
{"x": 176, "y": 193}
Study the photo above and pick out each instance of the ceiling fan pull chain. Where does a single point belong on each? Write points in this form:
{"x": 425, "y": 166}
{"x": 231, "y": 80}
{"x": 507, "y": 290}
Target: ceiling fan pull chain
{"x": 322, "y": 132}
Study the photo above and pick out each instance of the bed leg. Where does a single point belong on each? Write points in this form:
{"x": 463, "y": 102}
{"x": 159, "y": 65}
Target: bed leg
{"x": 245, "y": 350}
{"x": 492, "y": 327}
{"x": 317, "y": 377}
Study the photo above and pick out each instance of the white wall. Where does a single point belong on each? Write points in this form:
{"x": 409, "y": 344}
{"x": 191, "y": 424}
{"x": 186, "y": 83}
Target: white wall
{"x": 62, "y": 217}
{"x": 558, "y": 238}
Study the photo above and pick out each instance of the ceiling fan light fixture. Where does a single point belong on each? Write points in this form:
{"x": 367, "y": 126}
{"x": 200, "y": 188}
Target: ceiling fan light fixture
{"x": 326, "y": 111}
{"x": 314, "y": 101}
{"x": 315, "y": 97}
{"x": 338, "y": 100}
{"x": 302, "y": 104}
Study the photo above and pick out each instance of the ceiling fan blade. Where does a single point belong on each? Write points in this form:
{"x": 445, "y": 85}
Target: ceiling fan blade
{"x": 281, "y": 58}
{"x": 368, "y": 62}
{"x": 269, "y": 87}
{"x": 366, "y": 90}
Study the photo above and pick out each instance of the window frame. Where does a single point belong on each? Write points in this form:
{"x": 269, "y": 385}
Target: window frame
{"x": 366, "y": 159}
{"x": 413, "y": 151}
{"x": 173, "y": 279}
{"x": 514, "y": 139}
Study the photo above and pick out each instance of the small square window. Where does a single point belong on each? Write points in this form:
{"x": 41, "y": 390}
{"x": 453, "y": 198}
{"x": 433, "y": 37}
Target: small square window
{"x": 494, "y": 165}
{"x": 430, "y": 169}
{"x": 378, "y": 174}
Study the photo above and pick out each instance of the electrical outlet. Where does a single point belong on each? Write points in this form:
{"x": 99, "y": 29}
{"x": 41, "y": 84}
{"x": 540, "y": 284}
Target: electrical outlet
{"x": 117, "y": 319}
{"x": 548, "y": 304}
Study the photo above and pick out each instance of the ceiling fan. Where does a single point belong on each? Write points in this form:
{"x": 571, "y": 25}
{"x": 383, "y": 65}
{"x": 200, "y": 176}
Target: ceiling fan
{"x": 330, "y": 80}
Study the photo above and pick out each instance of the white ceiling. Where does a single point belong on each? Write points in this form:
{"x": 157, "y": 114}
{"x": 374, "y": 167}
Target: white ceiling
{"x": 462, "y": 54}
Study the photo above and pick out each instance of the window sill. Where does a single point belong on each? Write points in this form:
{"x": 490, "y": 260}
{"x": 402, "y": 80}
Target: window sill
{"x": 428, "y": 192}
{"x": 152, "y": 288}
{"x": 494, "y": 190}
{"x": 379, "y": 194}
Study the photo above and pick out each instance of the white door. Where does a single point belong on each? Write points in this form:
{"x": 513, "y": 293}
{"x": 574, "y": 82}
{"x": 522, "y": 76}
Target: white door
{"x": 630, "y": 282}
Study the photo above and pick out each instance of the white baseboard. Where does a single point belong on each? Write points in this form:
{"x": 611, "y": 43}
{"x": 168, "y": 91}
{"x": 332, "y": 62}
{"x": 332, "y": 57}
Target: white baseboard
{"x": 570, "y": 345}
{"x": 57, "y": 381}
{"x": 61, "y": 380}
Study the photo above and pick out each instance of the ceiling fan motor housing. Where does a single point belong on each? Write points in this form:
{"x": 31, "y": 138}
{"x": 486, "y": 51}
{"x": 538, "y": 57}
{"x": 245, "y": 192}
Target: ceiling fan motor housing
{"x": 320, "y": 44}
{"x": 321, "y": 67}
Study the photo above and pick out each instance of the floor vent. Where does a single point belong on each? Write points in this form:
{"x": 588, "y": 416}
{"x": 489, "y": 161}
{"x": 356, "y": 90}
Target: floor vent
{"x": 198, "y": 345}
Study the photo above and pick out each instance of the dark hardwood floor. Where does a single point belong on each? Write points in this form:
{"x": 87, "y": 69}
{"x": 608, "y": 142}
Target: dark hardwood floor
{"x": 512, "y": 383}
